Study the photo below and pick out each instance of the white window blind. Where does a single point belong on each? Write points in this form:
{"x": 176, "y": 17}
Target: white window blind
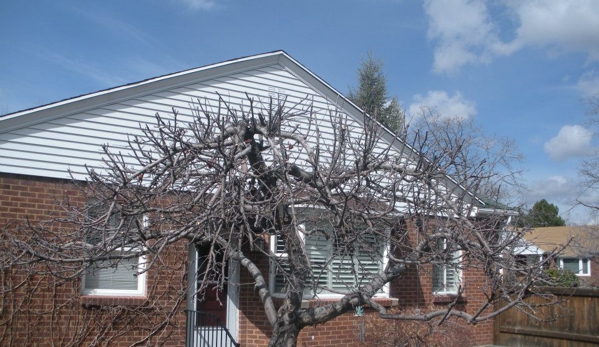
{"x": 337, "y": 267}
{"x": 446, "y": 276}
{"x": 114, "y": 278}
{"x": 121, "y": 277}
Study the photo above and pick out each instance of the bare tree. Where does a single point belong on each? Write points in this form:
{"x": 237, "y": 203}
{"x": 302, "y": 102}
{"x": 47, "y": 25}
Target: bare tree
{"x": 498, "y": 175}
{"x": 588, "y": 241}
{"x": 588, "y": 169}
{"x": 295, "y": 175}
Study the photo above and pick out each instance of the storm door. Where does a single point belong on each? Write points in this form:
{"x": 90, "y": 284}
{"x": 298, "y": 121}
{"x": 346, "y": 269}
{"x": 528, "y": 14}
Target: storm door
{"x": 212, "y": 317}
{"x": 214, "y": 301}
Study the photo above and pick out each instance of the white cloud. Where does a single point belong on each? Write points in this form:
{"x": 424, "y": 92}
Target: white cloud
{"x": 199, "y": 4}
{"x": 559, "y": 190}
{"x": 84, "y": 68}
{"x": 588, "y": 84}
{"x": 447, "y": 107}
{"x": 554, "y": 189}
{"x": 467, "y": 31}
{"x": 564, "y": 24}
{"x": 464, "y": 33}
{"x": 119, "y": 27}
{"x": 564, "y": 192}
{"x": 571, "y": 141}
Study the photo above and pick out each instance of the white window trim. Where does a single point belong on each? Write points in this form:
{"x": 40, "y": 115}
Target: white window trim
{"x": 580, "y": 267}
{"x": 459, "y": 276}
{"x": 141, "y": 277}
{"x": 272, "y": 273}
{"x": 141, "y": 283}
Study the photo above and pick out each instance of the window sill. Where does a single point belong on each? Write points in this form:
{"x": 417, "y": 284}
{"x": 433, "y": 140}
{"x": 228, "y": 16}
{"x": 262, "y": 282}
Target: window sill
{"x": 103, "y": 300}
{"x": 440, "y": 299}
{"x": 308, "y": 303}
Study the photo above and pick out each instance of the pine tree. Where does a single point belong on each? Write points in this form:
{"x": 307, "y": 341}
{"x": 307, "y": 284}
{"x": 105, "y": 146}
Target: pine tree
{"x": 371, "y": 95}
{"x": 543, "y": 214}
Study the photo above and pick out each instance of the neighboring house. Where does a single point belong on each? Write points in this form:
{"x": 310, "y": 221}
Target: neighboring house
{"x": 580, "y": 249}
{"x": 39, "y": 145}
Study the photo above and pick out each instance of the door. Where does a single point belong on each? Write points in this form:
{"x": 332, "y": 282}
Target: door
{"x": 213, "y": 303}
{"x": 215, "y": 315}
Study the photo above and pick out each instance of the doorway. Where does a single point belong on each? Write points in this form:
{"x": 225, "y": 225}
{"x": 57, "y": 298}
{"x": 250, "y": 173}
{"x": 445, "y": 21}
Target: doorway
{"x": 216, "y": 312}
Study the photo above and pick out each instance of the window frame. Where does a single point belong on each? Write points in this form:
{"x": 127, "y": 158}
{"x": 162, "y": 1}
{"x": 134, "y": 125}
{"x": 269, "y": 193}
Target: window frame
{"x": 454, "y": 267}
{"x": 140, "y": 274}
{"x": 308, "y": 294}
{"x": 581, "y": 262}
{"x": 140, "y": 291}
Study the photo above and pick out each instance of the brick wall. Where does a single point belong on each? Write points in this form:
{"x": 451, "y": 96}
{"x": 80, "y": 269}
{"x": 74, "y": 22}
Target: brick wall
{"x": 45, "y": 309}
{"x": 593, "y": 279}
{"x": 254, "y": 328}
{"x": 413, "y": 291}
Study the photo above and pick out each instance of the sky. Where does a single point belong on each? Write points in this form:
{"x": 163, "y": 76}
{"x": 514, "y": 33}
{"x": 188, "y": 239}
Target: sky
{"x": 521, "y": 69}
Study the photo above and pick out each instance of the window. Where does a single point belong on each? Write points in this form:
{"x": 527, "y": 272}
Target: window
{"x": 105, "y": 278}
{"x": 336, "y": 268}
{"x": 115, "y": 278}
{"x": 446, "y": 276}
{"x": 579, "y": 266}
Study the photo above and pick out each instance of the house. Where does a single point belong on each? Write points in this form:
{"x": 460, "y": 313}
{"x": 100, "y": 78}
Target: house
{"x": 579, "y": 253}
{"x": 42, "y": 149}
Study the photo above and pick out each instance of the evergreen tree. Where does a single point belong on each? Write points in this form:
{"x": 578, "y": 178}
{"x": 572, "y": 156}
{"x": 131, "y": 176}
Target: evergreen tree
{"x": 543, "y": 214}
{"x": 371, "y": 95}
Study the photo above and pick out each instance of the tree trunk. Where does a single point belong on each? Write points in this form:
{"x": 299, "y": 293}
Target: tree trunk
{"x": 286, "y": 331}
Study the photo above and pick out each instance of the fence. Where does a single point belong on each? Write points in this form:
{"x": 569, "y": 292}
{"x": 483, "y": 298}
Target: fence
{"x": 207, "y": 330}
{"x": 572, "y": 323}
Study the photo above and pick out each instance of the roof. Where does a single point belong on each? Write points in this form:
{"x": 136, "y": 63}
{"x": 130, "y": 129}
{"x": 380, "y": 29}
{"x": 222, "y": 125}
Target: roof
{"x": 579, "y": 240}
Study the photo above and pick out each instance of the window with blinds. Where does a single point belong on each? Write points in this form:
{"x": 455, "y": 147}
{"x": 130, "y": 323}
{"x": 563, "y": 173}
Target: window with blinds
{"x": 114, "y": 278}
{"x": 104, "y": 278}
{"x": 446, "y": 276}
{"x": 337, "y": 267}
{"x": 580, "y": 266}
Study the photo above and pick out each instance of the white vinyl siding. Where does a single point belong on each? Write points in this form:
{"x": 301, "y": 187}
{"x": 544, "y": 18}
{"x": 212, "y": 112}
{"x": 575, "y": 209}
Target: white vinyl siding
{"x": 51, "y": 140}
{"x": 446, "y": 276}
{"x": 50, "y": 148}
{"x": 69, "y": 134}
{"x": 580, "y": 266}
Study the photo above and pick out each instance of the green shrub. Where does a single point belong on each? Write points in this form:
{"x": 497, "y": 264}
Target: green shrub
{"x": 561, "y": 278}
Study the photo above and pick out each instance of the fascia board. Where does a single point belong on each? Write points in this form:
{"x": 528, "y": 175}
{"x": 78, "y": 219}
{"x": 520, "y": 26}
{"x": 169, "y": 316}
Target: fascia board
{"x": 495, "y": 211}
{"x": 528, "y": 249}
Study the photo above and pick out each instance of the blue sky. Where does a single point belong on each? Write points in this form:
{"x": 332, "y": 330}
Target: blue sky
{"x": 520, "y": 68}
